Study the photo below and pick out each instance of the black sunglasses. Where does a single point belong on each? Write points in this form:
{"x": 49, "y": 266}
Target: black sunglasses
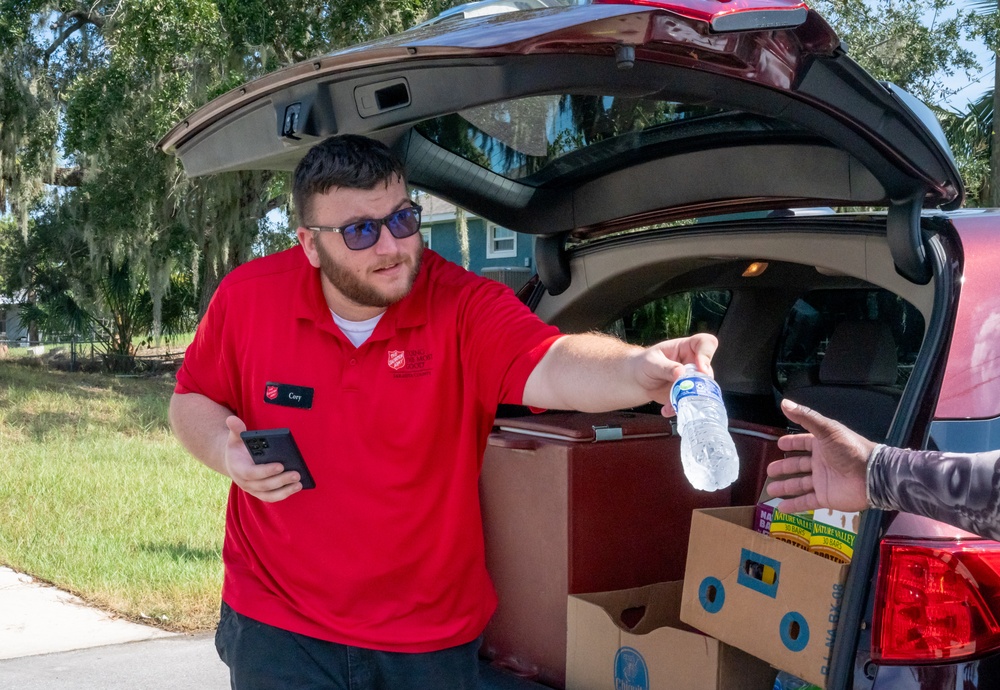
{"x": 365, "y": 233}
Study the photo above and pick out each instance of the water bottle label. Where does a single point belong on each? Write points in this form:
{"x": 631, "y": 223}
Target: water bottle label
{"x": 694, "y": 385}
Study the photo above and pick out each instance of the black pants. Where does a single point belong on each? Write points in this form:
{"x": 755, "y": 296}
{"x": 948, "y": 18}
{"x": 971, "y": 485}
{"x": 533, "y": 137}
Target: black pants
{"x": 262, "y": 657}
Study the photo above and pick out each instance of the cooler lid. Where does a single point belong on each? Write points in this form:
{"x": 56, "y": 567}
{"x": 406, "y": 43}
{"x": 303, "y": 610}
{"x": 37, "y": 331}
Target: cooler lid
{"x": 588, "y": 427}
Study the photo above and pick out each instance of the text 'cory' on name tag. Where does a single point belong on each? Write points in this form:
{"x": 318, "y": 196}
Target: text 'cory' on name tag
{"x": 288, "y": 395}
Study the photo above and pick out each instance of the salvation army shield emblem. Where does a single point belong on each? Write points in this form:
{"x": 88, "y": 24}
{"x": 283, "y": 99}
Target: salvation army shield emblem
{"x": 397, "y": 359}
{"x": 271, "y": 392}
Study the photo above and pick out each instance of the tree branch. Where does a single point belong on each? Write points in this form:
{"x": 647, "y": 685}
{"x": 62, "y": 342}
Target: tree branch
{"x": 66, "y": 33}
{"x": 67, "y": 177}
{"x": 80, "y": 19}
{"x": 87, "y": 17}
{"x": 274, "y": 203}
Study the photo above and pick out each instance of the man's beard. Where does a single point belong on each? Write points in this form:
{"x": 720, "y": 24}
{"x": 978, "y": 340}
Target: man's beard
{"x": 359, "y": 291}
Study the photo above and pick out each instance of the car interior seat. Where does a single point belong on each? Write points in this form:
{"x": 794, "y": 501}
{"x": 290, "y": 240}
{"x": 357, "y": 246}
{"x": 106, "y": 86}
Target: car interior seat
{"x": 857, "y": 379}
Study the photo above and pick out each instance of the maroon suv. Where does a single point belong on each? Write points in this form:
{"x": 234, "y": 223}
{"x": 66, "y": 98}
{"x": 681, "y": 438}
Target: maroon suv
{"x": 677, "y": 165}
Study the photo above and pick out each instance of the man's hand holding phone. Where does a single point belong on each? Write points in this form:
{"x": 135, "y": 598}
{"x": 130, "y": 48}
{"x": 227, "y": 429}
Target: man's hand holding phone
{"x": 269, "y": 482}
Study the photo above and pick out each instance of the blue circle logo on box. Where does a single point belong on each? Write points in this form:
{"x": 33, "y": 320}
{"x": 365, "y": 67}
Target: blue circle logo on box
{"x": 712, "y": 594}
{"x": 794, "y": 631}
{"x": 630, "y": 670}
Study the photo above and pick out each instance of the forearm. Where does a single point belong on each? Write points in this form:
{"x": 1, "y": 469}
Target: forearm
{"x": 199, "y": 423}
{"x": 958, "y": 489}
{"x": 587, "y": 372}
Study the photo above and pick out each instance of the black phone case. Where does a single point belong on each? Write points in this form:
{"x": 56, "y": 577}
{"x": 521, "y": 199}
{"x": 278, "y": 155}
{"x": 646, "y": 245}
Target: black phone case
{"x": 277, "y": 445}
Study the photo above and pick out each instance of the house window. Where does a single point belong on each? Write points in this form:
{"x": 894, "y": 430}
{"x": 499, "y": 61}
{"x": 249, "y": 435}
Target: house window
{"x": 425, "y": 232}
{"x": 501, "y": 243}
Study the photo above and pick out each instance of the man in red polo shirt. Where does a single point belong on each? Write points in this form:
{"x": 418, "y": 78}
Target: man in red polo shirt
{"x": 387, "y": 363}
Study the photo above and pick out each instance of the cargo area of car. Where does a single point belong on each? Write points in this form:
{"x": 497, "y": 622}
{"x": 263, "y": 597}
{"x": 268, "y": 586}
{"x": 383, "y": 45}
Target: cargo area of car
{"x": 576, "y": 503}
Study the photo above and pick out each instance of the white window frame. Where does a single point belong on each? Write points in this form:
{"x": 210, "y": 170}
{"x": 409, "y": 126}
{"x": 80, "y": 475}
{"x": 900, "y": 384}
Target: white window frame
{"x": 491, "y": 239}
{"x": 425, "y": 232}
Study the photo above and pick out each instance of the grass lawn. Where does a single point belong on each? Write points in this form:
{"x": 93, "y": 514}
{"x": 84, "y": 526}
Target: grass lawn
{"x": 98, "y": 498}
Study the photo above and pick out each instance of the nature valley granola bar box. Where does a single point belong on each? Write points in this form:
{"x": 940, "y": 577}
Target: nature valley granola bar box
{"x": 763, "y": 514}
{"x": 833, "y": 534}
{"x": 766, "y": 507}
{"x": 794, "y": 528}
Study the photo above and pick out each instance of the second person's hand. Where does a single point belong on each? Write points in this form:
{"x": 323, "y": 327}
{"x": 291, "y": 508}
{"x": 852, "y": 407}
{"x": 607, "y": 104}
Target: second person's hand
{"x": 833, "y": 465}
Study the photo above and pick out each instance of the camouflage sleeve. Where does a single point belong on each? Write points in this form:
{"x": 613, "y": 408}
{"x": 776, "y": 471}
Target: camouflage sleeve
{"x": 957, "y": 488}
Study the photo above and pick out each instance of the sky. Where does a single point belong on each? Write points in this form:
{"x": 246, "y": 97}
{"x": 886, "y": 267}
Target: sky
{"x": 982, "y": 81}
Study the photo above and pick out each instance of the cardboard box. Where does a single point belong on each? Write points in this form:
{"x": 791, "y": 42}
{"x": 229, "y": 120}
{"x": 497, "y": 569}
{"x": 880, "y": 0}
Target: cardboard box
{"x": 788, "y": 618}
{"x": 657, "y": 652}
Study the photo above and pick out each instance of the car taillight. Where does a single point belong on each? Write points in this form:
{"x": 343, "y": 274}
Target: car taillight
{"x": 936, "y": 601}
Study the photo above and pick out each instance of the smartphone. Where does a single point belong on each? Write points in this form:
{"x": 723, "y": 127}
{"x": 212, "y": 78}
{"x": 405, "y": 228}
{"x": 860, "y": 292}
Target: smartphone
{"x": 277, "y": 445}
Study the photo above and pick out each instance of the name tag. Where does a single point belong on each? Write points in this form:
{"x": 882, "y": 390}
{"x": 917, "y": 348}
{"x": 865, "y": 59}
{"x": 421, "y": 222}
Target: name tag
{"x": 288, "y": 395}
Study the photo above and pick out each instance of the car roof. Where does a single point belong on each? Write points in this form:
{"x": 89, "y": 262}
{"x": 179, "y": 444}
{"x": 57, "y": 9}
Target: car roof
{"x": 695, "y": 107}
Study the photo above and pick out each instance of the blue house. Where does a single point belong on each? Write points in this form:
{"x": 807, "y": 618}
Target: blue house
{"x": 494, "y": 251}
{"x": 12, "y": 330}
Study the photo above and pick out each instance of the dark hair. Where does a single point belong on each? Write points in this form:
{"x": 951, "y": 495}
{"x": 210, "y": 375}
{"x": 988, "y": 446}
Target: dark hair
{"x": 347, "y": 160}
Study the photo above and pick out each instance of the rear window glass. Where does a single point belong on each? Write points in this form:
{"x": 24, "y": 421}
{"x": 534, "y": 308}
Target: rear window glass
{"x": 674, "y": 316}
{"x": 812, "y": 320}
{"x": 538, "y": 138}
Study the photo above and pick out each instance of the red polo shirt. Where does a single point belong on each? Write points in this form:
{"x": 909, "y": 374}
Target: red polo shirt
{"x": 387, "y": 551}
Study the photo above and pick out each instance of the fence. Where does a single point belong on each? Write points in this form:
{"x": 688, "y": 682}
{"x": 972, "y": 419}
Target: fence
{"x": 513, "y": 277}
{"x": 89, "y": 355}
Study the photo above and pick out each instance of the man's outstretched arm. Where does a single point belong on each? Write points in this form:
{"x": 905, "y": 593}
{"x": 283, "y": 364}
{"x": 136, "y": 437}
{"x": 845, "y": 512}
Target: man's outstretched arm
{"x": 595, "y": 373}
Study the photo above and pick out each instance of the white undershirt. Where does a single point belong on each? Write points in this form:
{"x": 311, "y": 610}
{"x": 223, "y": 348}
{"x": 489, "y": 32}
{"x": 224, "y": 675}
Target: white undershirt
{"x": 356, "y": 331}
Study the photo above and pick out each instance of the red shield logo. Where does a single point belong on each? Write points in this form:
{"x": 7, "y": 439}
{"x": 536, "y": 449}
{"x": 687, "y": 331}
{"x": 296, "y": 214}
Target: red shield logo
{"x": 271, "y": 392}
{"x": 397, "y": 359}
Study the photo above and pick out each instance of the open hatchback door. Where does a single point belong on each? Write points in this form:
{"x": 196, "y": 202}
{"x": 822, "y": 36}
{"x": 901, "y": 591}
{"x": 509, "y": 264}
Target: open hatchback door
{"x": 590, "y": 118}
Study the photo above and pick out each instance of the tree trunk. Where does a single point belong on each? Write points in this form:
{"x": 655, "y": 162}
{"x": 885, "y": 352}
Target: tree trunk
{"x": 210, "y": 277}
{"x": 994, "y": 200}
{"x": 32, "y": 325}
{"x": 462, "y": 230}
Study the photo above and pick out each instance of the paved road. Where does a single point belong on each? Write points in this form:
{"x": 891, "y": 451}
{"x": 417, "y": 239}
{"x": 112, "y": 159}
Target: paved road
{"x": 169, "y": 663}
{"x": 187, "y": 662}
{"x": 50, "y": 640}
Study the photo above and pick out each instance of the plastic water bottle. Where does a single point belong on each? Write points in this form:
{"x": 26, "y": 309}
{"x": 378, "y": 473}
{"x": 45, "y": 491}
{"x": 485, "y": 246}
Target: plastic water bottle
{"x": 786, "y": 681}
{"x": 707, "y": 450}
